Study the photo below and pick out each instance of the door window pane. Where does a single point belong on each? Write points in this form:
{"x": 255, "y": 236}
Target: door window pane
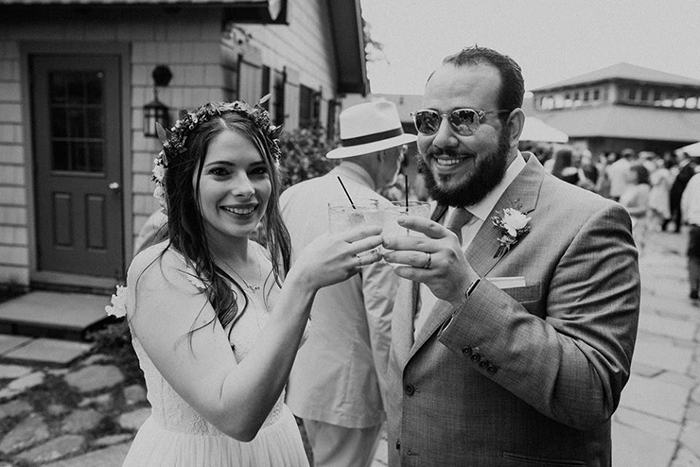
{"x": 59, "y": 123}
{"x": 60, "y": 155}
{"x": 77, "y": 120}
{"x": 94, "y": 123}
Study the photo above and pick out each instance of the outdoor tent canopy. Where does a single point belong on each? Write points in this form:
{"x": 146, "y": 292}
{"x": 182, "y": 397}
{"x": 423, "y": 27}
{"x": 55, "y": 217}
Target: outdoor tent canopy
{"x": 537, "y": 131}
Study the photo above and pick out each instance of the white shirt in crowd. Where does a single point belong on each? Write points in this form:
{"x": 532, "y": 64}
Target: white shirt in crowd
{"x": 690, "y": 201}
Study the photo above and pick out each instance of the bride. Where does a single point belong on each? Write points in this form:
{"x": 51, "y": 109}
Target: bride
{"x": 215, "y": 330}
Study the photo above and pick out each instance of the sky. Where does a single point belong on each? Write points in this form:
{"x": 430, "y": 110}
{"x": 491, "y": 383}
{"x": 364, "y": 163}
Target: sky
{"x": 551, "y": 40}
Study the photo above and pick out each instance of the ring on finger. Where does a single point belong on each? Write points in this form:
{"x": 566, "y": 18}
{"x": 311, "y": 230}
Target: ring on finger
{"x": 359, "y": 262}
{"x": 428, "y": 260}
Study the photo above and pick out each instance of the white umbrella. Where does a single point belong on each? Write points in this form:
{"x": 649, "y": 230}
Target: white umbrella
{"x": 693, "y": 150}
{"x": 536, "y": 130}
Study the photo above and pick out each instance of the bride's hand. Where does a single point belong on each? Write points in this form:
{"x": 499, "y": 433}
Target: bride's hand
{"x": 330, "y": 259}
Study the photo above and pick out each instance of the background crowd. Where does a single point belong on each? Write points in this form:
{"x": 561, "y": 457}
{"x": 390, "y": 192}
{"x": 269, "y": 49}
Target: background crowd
{"x": 647, "y": 184}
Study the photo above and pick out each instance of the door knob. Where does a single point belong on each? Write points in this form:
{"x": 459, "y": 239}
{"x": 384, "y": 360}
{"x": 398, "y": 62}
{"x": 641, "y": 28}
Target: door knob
{"x": 114, "y": 186}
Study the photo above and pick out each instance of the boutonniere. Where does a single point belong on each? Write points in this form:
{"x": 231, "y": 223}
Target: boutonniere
{"x": 513, "y": 225}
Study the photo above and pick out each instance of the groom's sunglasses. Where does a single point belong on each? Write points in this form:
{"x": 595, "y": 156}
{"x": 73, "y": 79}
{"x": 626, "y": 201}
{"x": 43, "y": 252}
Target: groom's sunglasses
{"x": 464, "y": 122}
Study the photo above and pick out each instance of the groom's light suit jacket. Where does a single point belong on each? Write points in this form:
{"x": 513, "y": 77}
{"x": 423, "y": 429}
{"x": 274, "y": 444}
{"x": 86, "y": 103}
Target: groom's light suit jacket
{"x": 532, "y": 374}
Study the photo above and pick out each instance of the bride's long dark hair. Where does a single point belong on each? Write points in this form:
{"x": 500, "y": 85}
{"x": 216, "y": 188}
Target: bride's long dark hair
{"x": 185, "y": 228}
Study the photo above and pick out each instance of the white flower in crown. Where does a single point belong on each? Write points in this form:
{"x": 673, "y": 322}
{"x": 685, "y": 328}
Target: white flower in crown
{"x": 514, "y": 225}
{"x": 158, "y": 171}
{"x": 118, "y": 306}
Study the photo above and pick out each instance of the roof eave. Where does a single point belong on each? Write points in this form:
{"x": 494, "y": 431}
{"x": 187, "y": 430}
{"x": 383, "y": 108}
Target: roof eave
{"x": 349, "y": 46}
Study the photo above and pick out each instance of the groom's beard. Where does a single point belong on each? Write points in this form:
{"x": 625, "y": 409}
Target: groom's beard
{"x": 487, "y": 174}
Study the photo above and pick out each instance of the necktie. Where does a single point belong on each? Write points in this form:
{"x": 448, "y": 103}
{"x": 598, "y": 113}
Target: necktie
{"x": 460, "y": 217}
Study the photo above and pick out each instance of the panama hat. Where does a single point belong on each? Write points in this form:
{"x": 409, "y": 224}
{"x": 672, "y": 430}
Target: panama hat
{"x": 369, "y": 127}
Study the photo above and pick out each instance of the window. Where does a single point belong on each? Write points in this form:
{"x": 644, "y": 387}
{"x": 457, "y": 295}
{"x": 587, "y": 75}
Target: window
{"x": 249, "y": 81}
{"x": 547, "y": 103}
{"x": 632, "y": 93}
{"x": 77, "y": 121}
{"x": 278, "y": 95}
{"x": 309, "y": 107}
{"x": 585, "y": 96}
{"x": 265, "y": 86}
{"x": 596, "y": 94}
{"x": 644, "y": 95}
{"x": 333, "y": 106}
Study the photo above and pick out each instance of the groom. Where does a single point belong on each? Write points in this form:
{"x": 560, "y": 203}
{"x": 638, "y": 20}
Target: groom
{"x": 512, "y": 336}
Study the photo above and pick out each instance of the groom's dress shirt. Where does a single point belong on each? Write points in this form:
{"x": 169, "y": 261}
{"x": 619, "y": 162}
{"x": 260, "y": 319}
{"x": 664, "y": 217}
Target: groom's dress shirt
{"x": 480, "y": 212}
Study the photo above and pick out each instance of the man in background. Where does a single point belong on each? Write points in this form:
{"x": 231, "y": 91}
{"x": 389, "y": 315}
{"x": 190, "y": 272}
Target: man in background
{"x": 338, "y": 379}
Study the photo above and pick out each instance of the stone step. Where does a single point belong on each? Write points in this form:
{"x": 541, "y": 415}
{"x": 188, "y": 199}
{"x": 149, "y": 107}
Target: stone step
{"x": 25, "y": 350}
{"x": 55, "y": 315}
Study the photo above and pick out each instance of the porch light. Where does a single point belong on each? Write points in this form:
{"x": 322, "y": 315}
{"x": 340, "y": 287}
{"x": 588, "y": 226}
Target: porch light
{"x": 156, "y": 111}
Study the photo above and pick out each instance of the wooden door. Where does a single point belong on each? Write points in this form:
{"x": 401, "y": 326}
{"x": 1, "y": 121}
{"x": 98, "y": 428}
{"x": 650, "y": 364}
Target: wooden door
{"x": 78, "y": 164}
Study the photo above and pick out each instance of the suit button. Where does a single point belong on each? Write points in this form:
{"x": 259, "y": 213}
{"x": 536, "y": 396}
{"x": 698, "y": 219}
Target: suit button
{"x": 467, "y": 350}
{"x": 475, "y": 357}
{"x": 492, "y": 369}
{"x": 410, "y": 389}
{"x": 484, "y": 363}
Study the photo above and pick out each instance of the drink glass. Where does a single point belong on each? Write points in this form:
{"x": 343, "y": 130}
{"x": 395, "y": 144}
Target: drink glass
{"x": 343, "y": 216}
{"x": 400, "y": 208}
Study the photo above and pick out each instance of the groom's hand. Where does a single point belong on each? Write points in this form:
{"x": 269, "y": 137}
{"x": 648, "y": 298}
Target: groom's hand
{"x": 434, "y": 258}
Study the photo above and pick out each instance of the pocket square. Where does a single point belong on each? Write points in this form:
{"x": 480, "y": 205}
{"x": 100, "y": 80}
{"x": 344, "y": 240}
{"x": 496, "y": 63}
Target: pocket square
{"x": 507, "y": 282}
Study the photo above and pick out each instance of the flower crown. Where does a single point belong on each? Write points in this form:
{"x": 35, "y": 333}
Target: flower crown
{"x": 174, "y": 139}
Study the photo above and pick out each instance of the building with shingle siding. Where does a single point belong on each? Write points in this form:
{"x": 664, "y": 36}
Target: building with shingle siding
{"x": 75, "y": 78}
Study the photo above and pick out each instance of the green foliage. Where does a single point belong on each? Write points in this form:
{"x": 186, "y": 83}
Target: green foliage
{"x": 114, "y": 340}
{"x": 304, "y": 154}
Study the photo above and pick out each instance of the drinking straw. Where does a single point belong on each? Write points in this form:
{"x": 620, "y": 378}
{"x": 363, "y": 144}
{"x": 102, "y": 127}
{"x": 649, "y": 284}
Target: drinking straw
{"x": 405, "y": 184}
{"x": 347, "y": 194}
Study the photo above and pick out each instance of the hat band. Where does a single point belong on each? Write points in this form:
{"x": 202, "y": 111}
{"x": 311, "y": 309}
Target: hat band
{"x": 374, "y": 137}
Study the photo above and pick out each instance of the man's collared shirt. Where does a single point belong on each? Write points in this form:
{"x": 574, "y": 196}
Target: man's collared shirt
{"x": 481, "y": 211}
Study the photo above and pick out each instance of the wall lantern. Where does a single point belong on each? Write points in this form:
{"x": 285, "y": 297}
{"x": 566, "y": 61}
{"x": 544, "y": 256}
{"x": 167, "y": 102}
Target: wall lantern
{"x": 156, "y": 111}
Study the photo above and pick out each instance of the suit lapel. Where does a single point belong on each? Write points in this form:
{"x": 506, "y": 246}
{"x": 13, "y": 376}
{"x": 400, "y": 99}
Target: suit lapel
{"x": 402, "y": 322}
{"x": 521, "y": 194}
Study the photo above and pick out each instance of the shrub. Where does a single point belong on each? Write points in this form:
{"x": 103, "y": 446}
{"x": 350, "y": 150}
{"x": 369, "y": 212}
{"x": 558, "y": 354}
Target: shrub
{"x": 304, "y": 154}
{"x": 114, "y": 340}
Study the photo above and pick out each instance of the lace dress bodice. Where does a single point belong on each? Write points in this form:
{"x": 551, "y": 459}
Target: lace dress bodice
{"x": 169, "y": 410}
{"x": 175, "y": 435}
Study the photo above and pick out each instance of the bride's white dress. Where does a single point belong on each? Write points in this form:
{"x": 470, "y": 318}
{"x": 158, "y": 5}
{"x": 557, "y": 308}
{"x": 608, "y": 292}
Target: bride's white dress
{"x": 177, "y": 436}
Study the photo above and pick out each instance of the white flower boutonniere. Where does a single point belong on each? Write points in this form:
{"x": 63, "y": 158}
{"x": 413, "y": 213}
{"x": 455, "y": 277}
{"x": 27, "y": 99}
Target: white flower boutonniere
{"x": 118, "y": 306}
{"x": 514, "y": 226}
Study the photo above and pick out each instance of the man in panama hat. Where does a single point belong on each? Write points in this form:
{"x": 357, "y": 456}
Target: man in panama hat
{"x": 338, "y": 380}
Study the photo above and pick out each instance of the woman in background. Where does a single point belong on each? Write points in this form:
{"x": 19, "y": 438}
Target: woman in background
{"x": 635, "y": 199}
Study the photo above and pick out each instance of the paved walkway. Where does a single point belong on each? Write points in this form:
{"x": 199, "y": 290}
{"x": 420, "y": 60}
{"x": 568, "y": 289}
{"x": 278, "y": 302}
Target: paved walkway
{"x": 657, "y": 424}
